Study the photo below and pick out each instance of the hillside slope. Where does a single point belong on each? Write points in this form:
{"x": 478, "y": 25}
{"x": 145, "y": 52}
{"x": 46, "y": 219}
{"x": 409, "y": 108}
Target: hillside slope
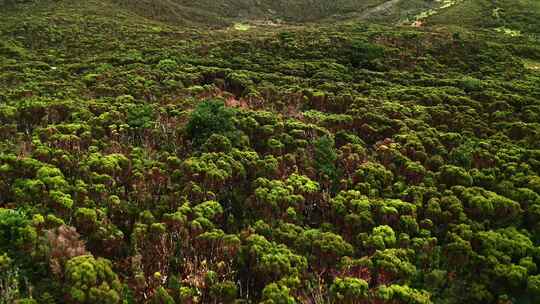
{"x": 217, "y": 12}
{"x": 152, "y": 161}
{"x": 224, "y": 12}
{"x": 521, "y": 16}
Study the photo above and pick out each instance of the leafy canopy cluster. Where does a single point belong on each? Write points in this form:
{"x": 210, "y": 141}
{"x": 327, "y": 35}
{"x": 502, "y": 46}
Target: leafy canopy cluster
{"x": 144, "y": 162}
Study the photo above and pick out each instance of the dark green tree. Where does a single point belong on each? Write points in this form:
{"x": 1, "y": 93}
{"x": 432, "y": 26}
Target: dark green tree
{"x": 209, "y": 117}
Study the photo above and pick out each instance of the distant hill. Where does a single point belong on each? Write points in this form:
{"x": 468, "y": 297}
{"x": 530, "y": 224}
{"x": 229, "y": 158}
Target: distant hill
{"x": 220, "y": 12}
{"x": 521, "y": 16}
{"x": 518, "y": 15}
{"x": 512, "y": 17}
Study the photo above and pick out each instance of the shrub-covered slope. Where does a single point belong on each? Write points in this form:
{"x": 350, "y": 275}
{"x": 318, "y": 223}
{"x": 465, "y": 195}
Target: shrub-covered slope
{"x": 224, "y": 11}
{"x": 144, "y": 162}
{"x": 513, "y": 17}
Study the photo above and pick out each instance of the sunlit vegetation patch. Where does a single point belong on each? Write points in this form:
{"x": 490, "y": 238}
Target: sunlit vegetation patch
{"x": 531, "y": 64}
{"x": 242, "y": 26}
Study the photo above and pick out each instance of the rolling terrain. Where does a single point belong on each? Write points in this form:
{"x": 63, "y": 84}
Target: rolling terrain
{"x": 256, "y": 151}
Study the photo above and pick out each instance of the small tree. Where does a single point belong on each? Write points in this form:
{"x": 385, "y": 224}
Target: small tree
{"x": 210, "y": 117}
{"x": 277, "y": 294}
{"x": 90, "y": 280}
{"x": 452, "y": 175}
{"x": 325, "y": 158}
{"x": 225, "y": 292}
{"x": 348, "y": 290}
{"x": 9, "y": 280}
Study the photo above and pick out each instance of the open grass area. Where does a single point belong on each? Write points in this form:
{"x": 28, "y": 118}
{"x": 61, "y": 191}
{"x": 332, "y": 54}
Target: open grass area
{"x": 532, "y": 64}
{"x": 242, "y": 27}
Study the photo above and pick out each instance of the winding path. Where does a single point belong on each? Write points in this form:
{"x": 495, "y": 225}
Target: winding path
{"x": 379, "y": 8}
{"x": 385, "y": 6}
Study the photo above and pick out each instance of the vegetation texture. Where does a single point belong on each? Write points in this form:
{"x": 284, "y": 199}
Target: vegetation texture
{"x": 386, "y": 152}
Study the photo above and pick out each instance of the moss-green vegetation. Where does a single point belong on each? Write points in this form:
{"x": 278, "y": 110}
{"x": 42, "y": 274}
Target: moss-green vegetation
{"x": 148, "y": 162}
{"x": 512, "y": 16}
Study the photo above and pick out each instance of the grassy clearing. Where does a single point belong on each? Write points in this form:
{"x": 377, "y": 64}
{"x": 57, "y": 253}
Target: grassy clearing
{"x": 242, "y": 27}
{"x": 532, "y": 64}
{"x": 509, "y": 32}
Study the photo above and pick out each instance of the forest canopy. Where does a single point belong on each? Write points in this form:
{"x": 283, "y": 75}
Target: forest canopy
{"x": 357, "y": 152}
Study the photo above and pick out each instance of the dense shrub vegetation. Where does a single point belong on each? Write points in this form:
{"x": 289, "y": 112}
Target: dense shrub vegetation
{"x": 142, "y": 162}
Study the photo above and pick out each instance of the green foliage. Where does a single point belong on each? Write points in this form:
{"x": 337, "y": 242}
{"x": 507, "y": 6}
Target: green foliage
{"x": 90, "y": 280}
{"x": 323, "y": 248}
{"x": 325, "y": 157}
{"x": 162, "y": 297}
{"x": 167, "y": 65}
{"x": 342, "y": 161}
{"x": 217, "y": 143}
{"x": 225, "y": 292}
{"x": 210, "y": 117}
{"x": 452, "y": 175}
{"x": 533, "y": 285}
{"x": 374, "y": 178}
{"x": 9, "y": 280}
{"x": 270, "y": 261}
{"x": 403, "y": 294}
{"x": 140, "y": 117}
{"x": 349, "y": 290}
{"x": 363, "y": 53}
{"x": 277, "y": 294}
{"x": 382, "y": 237}
{"x": 16, "y": 231}
{"x": 209, "y": 210}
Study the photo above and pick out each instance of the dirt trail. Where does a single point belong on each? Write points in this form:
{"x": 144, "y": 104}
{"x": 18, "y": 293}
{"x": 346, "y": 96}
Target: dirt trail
{"x": 379, "y": 8}
{"x": 387, "y": 6}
